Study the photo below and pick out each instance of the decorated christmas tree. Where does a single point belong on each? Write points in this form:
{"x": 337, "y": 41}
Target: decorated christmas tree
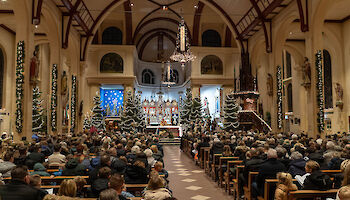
{"x": 140, "y": 117}
{"x": 231, "y": 113}
{"x": 196, "y": 110}
{"x": 97, "y": 120}
{"x": 37, "y": 114}
{"x": 185, "y": 113}
{"x": 87, "y": 122}
{"x": 128, "y": 115}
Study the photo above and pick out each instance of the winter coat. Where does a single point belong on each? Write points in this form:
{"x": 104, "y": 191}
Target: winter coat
{"x": 40, "y": 170}
{"x": 159, "y": 194}
{"x": 136, "y": 175}
{"x": 251, "y": 165}
{"x": 33, "y": 158}
{"x": 297, "y": 167}
{"x": 158, "y": 156}
{"x": 335, "y": 163}
{"x": 99, "y": 185}
{"x": 217, "y": 148}
{"x": 269, "y": 169}
{"x": 317, "y": 181}
{"x": 282, "y": 191}
{"x": 118, "y": 166}
{"x": 74, "y": 168}
{"x": 6, "y": 167}
{"x": 16, "y": 190}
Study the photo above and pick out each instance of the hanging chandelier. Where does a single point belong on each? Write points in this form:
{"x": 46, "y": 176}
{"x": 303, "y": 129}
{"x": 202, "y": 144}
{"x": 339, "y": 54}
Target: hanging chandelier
{"x": 182, "y": 53}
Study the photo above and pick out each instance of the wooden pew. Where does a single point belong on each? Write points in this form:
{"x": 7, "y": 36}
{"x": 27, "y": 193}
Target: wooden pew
{"x": 207, "y": 160}
{"x": 314, "y": 194}
{"x": 215, "y": 165}
{"x": 224, "y": 161}
{"x": 235, "y": 180}
{"x": 202, "y": 157}
{"x": 48, "y": 179}
{"x": 248, "y": 189}
{"x": 48, "y": 170}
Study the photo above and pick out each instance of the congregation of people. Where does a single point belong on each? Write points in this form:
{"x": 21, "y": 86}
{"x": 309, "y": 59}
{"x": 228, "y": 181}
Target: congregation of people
{"x": 296, "y": 160}
{"x": 99, "y": 165}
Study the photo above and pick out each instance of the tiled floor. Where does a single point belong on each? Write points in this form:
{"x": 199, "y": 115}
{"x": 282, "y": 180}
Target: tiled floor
{"x": 188, "y": 181}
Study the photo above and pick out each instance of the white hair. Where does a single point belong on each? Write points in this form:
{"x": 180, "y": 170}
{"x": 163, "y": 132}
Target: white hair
{"x": 296, "y": 155}
{"x": 271, "y": 153}
{"x": 135, "y": 150}
{"x": 148, "y": 152}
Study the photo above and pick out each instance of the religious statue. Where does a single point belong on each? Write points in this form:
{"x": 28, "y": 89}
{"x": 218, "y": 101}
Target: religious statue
{"x": 64, "y": 83}
{"x": 306, "y": 70}
{"x": 34, "y": 67}
{"x": 339, "y": 92}
{"x": 269, "y": 84}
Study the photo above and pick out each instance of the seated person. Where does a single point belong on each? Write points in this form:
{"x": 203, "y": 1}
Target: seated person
{"x": 40, "y": 170}
{"x": 344, "y": 191}
{"x": 68, "y": 188}
{"x": 159, "y": 168}
{"x": 156, "y": 188}
{"x": 316, "y": 180}
{"x": 108, "y": 194}
{"x": 101, "y": 183}
{"x": 18, "y": 187}
{"x": 7, "y": 165}
{"x": 284, "y": 186}
{"x": 35, "y": 182}
{"x": 74, "y": 168}
{"x": 81, "y": 190}
{"x": 136, "y": 173}
{"x": 116, "y": 182}
{"x": 57, "y": 159}
{"x": 297, "y": 165}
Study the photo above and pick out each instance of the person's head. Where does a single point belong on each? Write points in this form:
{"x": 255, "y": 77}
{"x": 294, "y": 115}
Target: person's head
{"x": 311, "y": 166}
{"x": 135, "y": 149}
{"x": 346, "y": 180}
{"x": 112, "y": 152}
{"x": 330, "y": 145}
{"x": 271, "y": 153}
{"x": 296, "y": 155}
{"x": 57, "y": 147}
{"x": 108, "y": 194}
{"x": 155, "y": 182}
{"x": 68, "y": 188}
{"x": 20, "y": 173}
{"x": 80, "y": 182}
{"x": 37, "y": 148}
{"x": 284, "y": 178}
{"x": 154, "y": 148}
{"x": 148, "y": 153}
{"x": 8, "y": 156}
{"x": 35, "y": 181}
{"x": 104, "y": 172}
{"x": 139, "y": 163}
{"x": 116, "y": 182}
{"x": 22, "y": 151}
{"x": 158, "y": 166}
{"x": 105, "y": 160}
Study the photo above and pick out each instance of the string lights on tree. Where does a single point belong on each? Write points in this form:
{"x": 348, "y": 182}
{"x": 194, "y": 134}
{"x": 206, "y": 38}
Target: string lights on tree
{"x": 73, "y": 103}
{"x": 319, "y": 91}
{"x": 19, "y": 86}
{"x": 54, "y": 98}
{"x": 279, "y": 97}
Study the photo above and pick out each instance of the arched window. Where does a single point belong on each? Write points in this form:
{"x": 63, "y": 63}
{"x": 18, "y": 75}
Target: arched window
{"x": 174, "y": 76}
{"x": 211, "y": 38}
{"x": 290, "y": 97}
{"x": 211, "y": 64}
{"x": 328, "y": 96}
{"x": 147, "y": 77}
{"x": 1, "y": 77}
{"x": 288, "y": 64}
{"x": 111, "y": 63}
{"x": 112, "y": 35}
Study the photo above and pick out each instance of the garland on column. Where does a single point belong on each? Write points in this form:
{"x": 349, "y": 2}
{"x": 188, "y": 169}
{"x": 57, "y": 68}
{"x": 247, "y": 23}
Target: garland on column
{"x": 19, "y": 86}
{"x": 279, "y": 97}
{"x": 73, "y": 103}
{"x": 37, "y": 114}
{"x": 54, "y": 98}
{"x": 319, "y": 91}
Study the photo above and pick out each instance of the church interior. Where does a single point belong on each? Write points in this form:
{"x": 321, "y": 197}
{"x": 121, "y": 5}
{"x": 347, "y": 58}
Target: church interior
{"x": 201, "y": 99}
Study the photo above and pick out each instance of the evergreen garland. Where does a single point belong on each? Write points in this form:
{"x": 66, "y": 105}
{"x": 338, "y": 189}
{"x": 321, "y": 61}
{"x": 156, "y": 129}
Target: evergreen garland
{"x": 54, "y": 98}
{"x": 140, "y": 118}
{"x": 73, "y": 103}
{"x": 37, "y": 113}
{"x": 279, "y": 97}
{"x": 97, "y": 119}
{"x": 185, "y": 113}
{"x": 196, "y": 110}
{"x": 129, "y": 115}
{"x": 19, "y": 86}
{"x": 231, "y": 107}
{"x": 87, "y": 122}
{"x": 319, "y": 92}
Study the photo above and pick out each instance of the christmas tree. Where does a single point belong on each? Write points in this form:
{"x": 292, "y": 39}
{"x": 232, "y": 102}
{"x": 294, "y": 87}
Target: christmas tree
{"x": 231, "y": 113}
{"x": 37, "y": 114}
{"x": 97, "y": 120}
{"x": 87, "y": 122}
{"x": 196, "y": 110}
{"x": 140, "y": 117}
{"x": 185, "y": 113}
{"x": 128, "y": 115}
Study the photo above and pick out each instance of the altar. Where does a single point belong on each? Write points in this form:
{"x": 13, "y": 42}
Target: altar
{"x": 161, "y": 113}
{"x": 165, "y": 131}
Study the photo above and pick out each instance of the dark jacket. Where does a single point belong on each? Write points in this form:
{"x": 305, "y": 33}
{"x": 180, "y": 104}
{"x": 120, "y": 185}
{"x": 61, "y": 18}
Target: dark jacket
{"x": 99, "y": 185}
{"x": 74, "y": 168}
{"x": 297, "y": 167}
{"x": 317, "y": 181}
{"x": 135, "y": 174}
{"x": 217, "y": 148}
{"x": 118, "y": 166}
{"x": 40, "y": 170}
{"x": 33, "y": 158}
{"x": 269, "y": 169}
{"x": 251, "y": 166}
{"x": 17, "y": 190}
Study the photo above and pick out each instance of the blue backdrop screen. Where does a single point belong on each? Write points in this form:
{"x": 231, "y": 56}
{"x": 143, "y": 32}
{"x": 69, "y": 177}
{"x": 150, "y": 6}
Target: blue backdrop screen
{"x": 113, "y": 98}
